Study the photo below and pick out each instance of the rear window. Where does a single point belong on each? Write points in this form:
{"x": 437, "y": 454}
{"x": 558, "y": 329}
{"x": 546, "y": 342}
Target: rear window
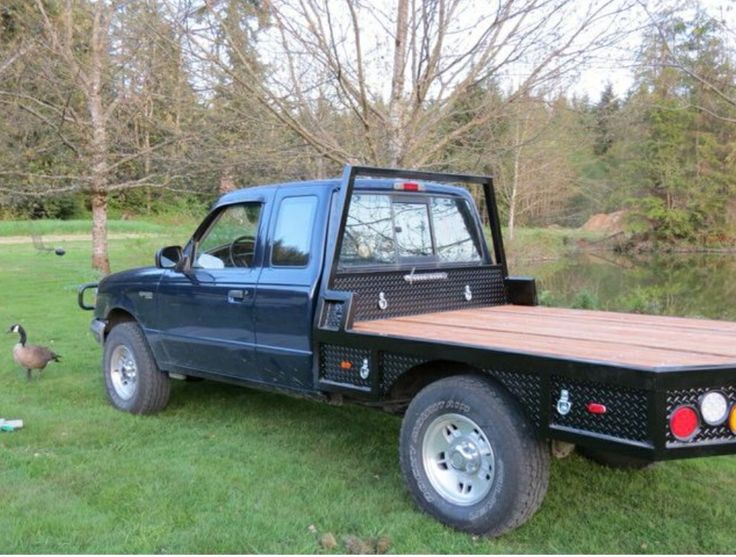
{"x": 394, "y": 230}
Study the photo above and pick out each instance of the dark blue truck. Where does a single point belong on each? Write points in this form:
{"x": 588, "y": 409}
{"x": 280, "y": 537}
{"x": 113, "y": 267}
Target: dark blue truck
{"x": 379, "y": 288}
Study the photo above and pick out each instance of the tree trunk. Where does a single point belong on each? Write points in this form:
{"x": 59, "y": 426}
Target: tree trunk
{"x": 99, "y": 141}
{"x": 100, "y": 260}
{"x": 515, "y": 180}
{"x": 396, "y": 138}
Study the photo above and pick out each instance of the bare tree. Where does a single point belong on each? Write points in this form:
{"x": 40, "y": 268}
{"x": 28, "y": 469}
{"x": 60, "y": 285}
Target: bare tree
{"x": 535, "y": 175}
{"x": 99, "y": 109}
{"x": 399, "y": 104}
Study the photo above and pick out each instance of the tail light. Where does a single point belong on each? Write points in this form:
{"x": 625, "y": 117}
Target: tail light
{"x": 684, "y": 423}
{"x": 714, "y": 408}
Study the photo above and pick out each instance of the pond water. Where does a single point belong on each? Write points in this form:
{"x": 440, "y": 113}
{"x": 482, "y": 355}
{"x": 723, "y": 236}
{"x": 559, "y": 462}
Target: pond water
{"x": 693, "y": 285}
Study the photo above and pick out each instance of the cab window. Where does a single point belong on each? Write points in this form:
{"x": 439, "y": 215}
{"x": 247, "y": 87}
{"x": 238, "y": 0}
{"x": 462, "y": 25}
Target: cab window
{"x": 230, "y": 241}
{"x": 293, "y": 234}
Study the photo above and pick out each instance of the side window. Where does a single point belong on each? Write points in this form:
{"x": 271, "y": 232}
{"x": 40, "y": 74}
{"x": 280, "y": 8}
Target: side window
{"x": 293, "y": 233}
{"x": 369, "y": 232}
{"x": 230, "y": 240}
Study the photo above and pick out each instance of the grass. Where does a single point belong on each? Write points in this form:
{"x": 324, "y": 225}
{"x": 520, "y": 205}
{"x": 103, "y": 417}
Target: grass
{"x": 231, "y": 470}
{"x": 53, "y": 226}
{"x": 538, "y": 244}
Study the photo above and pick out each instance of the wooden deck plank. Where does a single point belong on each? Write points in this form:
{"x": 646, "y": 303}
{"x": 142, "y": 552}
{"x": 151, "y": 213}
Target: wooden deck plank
{"x": 578, "y": 334}
{"x": 662, "y": 321}
{"x": 690, "y": 340}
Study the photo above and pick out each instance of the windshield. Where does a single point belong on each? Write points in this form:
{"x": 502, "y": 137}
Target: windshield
{"x": 386, "y": 229}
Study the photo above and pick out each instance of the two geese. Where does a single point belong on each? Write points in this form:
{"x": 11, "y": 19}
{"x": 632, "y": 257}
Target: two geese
{"x": 30, "y": 356}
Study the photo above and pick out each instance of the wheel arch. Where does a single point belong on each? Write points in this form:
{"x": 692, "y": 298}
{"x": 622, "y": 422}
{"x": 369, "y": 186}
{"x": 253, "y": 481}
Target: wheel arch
{"x": 418, "y": 376}
{"x": 116, "y": 316}
{"x": 525, "y": 389}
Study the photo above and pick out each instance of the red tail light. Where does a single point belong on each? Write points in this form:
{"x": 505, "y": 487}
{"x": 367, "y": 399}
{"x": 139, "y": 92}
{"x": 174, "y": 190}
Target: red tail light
{"x": 684, "y": 423}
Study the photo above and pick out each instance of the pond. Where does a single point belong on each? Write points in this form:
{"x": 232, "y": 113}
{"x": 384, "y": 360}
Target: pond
{"x": 693, "y": 285}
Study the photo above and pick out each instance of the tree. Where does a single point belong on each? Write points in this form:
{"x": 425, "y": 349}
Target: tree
{"x": 102, "y": 92}
{"x": 681, "y": 174}
{"x": 707, "y": 33}
{"x": 398, "y": 105}
{"x": 605, "y": 112}
{"x": 537, "y": 178}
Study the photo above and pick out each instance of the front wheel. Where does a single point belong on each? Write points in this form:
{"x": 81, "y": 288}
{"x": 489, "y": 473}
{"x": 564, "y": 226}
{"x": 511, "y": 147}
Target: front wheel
{"x": 470, "y": 458}
{"x": 132, "y": 379}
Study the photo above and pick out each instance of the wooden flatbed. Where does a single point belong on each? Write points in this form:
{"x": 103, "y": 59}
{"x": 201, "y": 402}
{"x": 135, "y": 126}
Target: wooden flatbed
{"x": 616, "y": 338}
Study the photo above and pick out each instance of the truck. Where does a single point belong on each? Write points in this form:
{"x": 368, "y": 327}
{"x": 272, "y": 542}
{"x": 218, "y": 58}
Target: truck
{"x": 380, "y": 288}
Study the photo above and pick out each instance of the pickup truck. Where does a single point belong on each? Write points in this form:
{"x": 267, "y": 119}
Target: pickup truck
{"x": 379, "y": 288}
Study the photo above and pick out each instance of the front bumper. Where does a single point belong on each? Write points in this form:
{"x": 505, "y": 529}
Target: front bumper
{"x": 97, "y": 327}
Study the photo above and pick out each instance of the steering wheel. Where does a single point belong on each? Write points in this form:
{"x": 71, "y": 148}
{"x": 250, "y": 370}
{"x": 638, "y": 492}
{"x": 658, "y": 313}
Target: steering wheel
{"x": 241, "y": 250}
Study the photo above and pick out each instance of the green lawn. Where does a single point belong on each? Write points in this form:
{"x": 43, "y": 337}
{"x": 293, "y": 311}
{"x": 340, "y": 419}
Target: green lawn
{"x": 158, "y": 225}
{"x": 232, "y": 470}
{"x": 539, "y": 244}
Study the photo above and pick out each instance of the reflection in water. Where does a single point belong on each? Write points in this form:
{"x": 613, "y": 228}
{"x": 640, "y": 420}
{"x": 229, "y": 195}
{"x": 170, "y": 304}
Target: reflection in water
{"x": 693, "y": 285}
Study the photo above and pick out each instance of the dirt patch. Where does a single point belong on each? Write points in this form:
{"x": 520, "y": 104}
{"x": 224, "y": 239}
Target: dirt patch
{"x": 607, "y": 223}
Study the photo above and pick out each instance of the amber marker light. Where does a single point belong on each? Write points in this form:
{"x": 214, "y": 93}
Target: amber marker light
{"x": 732, "y": 419}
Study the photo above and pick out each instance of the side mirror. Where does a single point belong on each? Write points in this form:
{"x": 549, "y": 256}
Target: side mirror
{"x": 168, "y": 257}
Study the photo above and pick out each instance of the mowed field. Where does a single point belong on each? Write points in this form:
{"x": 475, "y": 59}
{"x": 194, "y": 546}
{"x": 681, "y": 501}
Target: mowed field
{"x": 232, "y": 470}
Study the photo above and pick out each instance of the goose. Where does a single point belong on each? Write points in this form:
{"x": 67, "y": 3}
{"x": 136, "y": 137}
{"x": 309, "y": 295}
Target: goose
{"x": 30, "y": 357}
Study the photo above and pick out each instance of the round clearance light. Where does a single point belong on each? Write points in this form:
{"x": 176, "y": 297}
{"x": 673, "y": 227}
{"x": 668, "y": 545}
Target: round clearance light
{"x": 684, "y": 423}
{"x": 732, "y": 420}
{"x": 714, "y": 408}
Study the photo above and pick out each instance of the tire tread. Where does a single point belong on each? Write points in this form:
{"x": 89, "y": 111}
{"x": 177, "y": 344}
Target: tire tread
{"x": 154, "y": 385}
{"x": 534, "y": 468}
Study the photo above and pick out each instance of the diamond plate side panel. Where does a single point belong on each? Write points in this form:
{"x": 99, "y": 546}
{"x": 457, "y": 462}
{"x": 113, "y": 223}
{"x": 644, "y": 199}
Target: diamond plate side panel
{"x": 626, "y": 409}
{"x": 394, "y": 366}
{"x": 404, "y": 298}
{"x": 527, "y": 388}
{"x": 332, "y": 315}
{"x": 330, "y": 357}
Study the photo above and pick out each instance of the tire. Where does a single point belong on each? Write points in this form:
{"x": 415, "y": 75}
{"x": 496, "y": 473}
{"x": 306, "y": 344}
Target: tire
{"x": 492, "y": 449}
{"x": 132, "y": 379}
{"x": 615, "y": 460}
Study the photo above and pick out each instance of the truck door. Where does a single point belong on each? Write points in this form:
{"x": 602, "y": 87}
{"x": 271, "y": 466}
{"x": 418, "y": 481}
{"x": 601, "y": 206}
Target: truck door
{"x": 287, "y": 287}
{"x": 206, "y": 313}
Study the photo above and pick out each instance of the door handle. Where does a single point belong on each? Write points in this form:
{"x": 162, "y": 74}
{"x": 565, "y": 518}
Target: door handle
{"x": 237, "y": 295}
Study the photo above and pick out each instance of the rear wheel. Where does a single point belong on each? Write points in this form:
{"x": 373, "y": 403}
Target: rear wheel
{"x": 132, "y": 379}
{"x": 470, "y": 458}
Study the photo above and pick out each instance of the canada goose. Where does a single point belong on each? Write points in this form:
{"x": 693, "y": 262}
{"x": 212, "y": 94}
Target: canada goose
{"x": 30, "y": 357}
